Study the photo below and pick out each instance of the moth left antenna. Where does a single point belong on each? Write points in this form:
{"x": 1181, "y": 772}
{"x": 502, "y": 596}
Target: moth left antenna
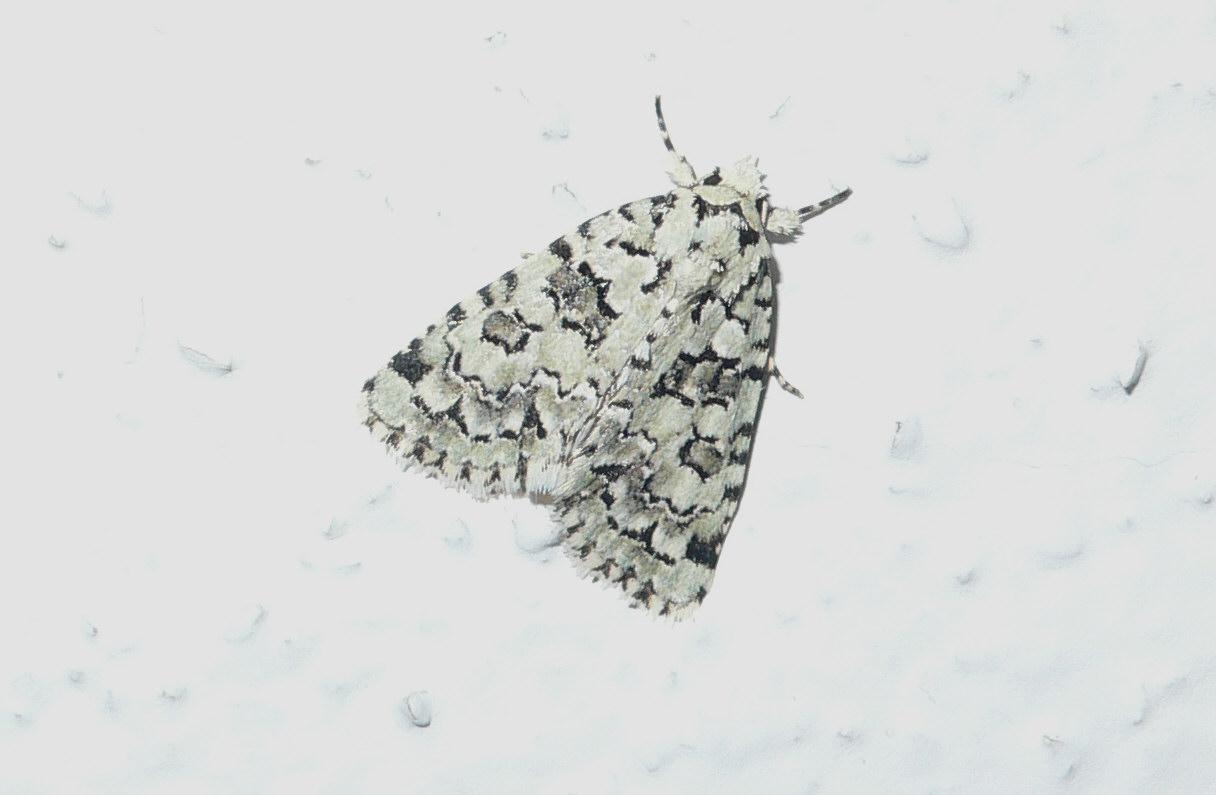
{"x": 682, "y": 172}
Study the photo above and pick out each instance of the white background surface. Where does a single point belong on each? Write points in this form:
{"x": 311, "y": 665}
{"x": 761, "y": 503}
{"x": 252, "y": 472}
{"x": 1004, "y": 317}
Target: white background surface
{"x": 219, "y": 219}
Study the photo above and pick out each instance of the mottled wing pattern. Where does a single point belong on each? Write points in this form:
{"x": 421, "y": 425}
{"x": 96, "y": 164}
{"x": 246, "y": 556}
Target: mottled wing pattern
{"x": 658, "y": 495}
{"x": 490, "y": 398}
{"x": 620, "y": 372}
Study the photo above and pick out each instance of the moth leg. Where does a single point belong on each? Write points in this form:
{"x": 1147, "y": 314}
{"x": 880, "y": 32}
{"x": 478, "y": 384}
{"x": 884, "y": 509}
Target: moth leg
{"x": 786, "y": 385}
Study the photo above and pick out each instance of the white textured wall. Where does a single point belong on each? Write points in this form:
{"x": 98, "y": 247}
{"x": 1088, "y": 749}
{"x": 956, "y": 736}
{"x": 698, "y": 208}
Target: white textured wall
{"x": 219, "y": 220}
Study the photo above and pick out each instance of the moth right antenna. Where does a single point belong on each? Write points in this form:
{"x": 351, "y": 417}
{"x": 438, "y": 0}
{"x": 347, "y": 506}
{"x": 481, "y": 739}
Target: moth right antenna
{"x": 811, "y": 210}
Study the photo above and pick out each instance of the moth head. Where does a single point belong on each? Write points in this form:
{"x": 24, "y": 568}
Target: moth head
{"x": 745, "y": 178}
{"x": 742, "y": 183}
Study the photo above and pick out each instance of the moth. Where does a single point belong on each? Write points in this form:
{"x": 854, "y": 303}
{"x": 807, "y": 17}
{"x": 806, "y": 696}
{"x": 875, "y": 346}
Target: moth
{"x": 616, "y": 375}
